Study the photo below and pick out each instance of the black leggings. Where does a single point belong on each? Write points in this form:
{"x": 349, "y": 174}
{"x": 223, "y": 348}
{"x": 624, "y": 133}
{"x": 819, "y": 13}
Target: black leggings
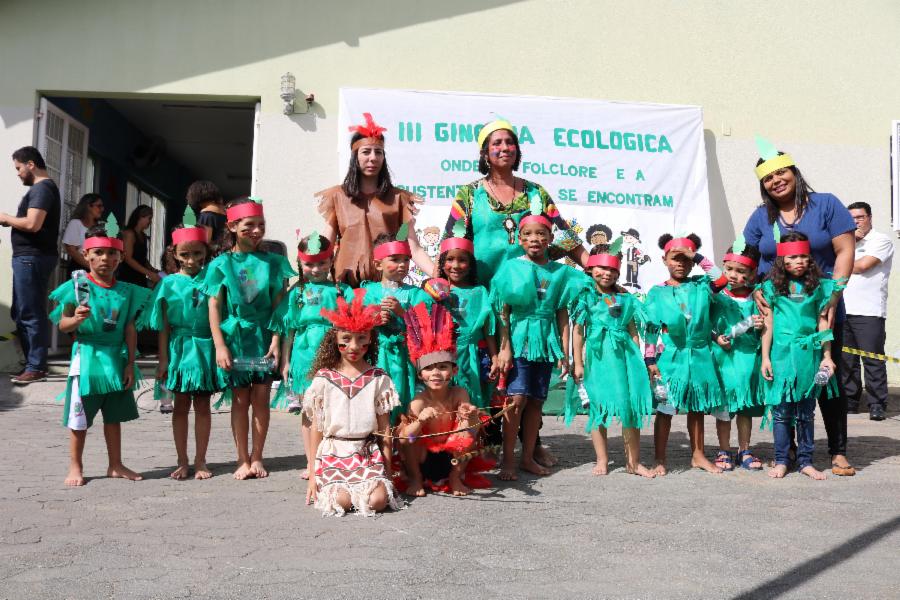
{"x": 834, "y": 410}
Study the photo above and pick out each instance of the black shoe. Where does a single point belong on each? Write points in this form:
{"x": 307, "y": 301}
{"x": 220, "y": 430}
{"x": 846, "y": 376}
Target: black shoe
{"x": 852, "y": 409}
{"x": 876, "y": 412}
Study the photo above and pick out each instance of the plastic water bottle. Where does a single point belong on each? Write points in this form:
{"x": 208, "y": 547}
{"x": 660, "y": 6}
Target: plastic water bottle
{"x": 82, "y": 287}
{"x": 660, "y": 390}
{"x": 822, "y": 376}
{"x": 166, "y": 400}
{"x": 583, "y": 394}
{"x": 258, "y": 364}
{"x": 390, "y": 288}
{"x": 741, "y": 327}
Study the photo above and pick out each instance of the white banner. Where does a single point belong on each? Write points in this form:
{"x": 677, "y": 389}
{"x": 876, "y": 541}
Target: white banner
{"x": 613, "y": 168}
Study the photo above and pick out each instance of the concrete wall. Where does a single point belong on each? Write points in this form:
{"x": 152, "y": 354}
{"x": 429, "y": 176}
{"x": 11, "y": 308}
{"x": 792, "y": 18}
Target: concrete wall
{"x": 818, "y": 78}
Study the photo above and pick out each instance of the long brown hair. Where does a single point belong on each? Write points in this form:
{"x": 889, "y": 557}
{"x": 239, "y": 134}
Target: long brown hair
{"x": 781, "y": 279}
{"x": 328, "y": 356}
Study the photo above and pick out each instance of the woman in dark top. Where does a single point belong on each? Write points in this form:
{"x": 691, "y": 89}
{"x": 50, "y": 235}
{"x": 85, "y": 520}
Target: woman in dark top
{"x": 136, "y": 268}
{"x": 205, "y": 199}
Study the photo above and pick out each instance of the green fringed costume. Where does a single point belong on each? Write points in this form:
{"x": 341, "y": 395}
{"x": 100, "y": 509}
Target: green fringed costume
{"x": 393, "y": 357}
{"x": 686, "y": 362}
{"x": 192, "y": 354}
{"x": 299, "y": 313}
{"x": 252, "y": 280}
{"x": 615, "y": 376}
{"x": 738, "y": 367}
{"x": 472, "y": 314}
{"x": 99, "y": 347}
{"x": 796, "y": 342}
{"x": 534, "y": 293}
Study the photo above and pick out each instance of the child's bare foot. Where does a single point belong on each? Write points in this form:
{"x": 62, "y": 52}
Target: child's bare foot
{"x": 544, "y": 457}
{"x": 660, "y": 470}
{"x": 601, "y": 468}
{"x": 304, "y": 474}
{"x": 701, "y": 462}
{"x": 244, "y": 471}
{"x": 415, "y": 487}
{"x": 258, "y": 469}
{"x": 778, "y": 471}
{"x": 813, "y": 473}
{"x": 180, "y": 473}
{"x": 75, "y": 478}
{"x": 458, "y": 487}
{"x": 508, "y": 472}
{"x": 201, "y": 471}
{"x": 532, "y": 466}
{"x": 642, "y": 471}
{"x": 123, "y": 472}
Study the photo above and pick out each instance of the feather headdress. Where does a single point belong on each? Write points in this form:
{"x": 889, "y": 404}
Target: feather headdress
{"x": 371, "y": 132}
{"x": 458, "y": 241}
{"x": 536, "y": 213}
{"x": 429, "y": 337}
{"x": 189, "y": 232}
{"x": 110, "y": 240}
{"x": 610, "y": 258}
{"x": 772, "y": 161}
{"x": 736, "y": 254}
{"x": 354, "y": 317}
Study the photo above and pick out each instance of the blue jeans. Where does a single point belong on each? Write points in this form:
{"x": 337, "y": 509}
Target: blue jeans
{"x": 784, "y": 416}
{"x": 31, "y": 277}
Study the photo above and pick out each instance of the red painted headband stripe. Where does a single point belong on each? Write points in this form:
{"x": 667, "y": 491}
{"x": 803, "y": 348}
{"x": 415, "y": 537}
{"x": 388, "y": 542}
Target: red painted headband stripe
{"x": 189, "y": 234}
{"x": 391, "y": 249}
{"x": 680, "y": 243}
{"x": 604, "y": 260}
{"x": 456, "y": 243}
{"x": 242, "y": 211}
{"x": 792, "y": 248}
{"x": 313, "y": 258}
{"x": 740, "y": 258}
{"x": 103, "y": 242}
{"x": 541, "y": 219}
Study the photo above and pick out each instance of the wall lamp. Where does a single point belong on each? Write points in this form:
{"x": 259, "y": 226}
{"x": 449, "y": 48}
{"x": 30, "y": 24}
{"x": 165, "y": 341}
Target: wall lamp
{"x": 288, "y": 92}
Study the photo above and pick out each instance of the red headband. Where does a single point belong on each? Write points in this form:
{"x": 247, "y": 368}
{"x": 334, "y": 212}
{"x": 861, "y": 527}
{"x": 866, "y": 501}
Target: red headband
{"x": 391, "y": 249}
{"x": 455, "y": 243}
{"x": 680, "y": 243}
{"x": 740, "y": 258}
{"x": 792, "y": 248}
{"x": 242, "y": 211}
{"x": 314, "y": 258}
{"x": 540, "y": 219}
{"x": 189, "y": 234}
{"x": 604, "y": 260}
{"x": 103, "y": 242}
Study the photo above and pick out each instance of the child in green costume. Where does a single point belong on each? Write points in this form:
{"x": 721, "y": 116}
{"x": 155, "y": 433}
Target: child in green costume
{"x": 737, "y": 324}
{"x": 298, "y": 319}
{"x": 100, "y": 311}
{"x": 678, "y": 315}
{"x": 187, "y": 356}
{"x": 796, "y": 349}
{"x": 608, "y": 366}
{"x": 244, "y": 285}
{"x": 392, "y": 255}
{"x": 531, "y": 295}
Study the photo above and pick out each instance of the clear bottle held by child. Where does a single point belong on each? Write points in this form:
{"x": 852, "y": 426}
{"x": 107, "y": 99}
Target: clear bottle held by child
{"x": 259, "y": 364}
{"x": 822, "y": 377}
{"x": 741, "y": 327}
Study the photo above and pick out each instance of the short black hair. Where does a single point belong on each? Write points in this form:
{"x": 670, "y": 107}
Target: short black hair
{"x": 27, "y": 154}
{"x": 599, "y": 228}
{"x": 863, "y": 205}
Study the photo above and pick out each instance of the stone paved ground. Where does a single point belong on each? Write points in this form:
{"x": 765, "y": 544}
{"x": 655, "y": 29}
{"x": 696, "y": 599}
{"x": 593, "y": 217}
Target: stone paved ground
{"x": 688, "y": 535}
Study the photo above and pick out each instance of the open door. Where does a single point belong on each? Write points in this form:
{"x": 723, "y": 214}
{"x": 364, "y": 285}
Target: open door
{"x": 63, "y": 142}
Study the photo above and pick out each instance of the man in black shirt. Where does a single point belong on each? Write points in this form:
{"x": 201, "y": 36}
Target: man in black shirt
{"x": 34, "y": 237}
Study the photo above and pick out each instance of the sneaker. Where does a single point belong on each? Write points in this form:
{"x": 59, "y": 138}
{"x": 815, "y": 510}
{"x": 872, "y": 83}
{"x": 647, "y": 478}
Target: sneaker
{"x": 27, "y": 377}
{"x": 876, "y": 412}
{"x": 17, "y": 373}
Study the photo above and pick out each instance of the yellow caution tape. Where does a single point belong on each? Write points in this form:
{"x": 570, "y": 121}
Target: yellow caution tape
{"x": 865, "y": 354}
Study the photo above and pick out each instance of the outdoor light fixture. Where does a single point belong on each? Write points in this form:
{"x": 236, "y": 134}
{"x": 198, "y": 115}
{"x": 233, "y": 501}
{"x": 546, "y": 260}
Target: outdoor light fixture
{"x": 289, "y": 90}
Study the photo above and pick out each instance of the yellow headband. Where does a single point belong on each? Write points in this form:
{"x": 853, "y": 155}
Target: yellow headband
{"x": 491, "y": 128}
{"x": 773, "y": 164}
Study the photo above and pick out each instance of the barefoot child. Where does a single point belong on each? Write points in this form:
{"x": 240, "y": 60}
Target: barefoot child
{"x": 298, "y": 319}
{"x": 795, "y": 345}
{"x": 439, "y": 407}
{"x": 100, "y": 311}
{"x": 187, "y": 357}
{"x": 737, "y": 327}
{"x": 392, "y": 255}
{"x": 530, "y": 295}
{"x": 608, "y": 362}
{"x": 347, "y": 402}
{"x": 244, "y": 285}
{"x": 678, "y": 315}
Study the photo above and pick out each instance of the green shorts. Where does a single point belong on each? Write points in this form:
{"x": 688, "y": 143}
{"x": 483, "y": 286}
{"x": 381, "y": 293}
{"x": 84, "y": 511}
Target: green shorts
{"x": 117, "y": 407}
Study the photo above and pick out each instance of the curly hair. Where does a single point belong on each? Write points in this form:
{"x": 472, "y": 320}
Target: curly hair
{"x": 471, "y": 277}
{"x": 201, "y": 193}
{"x": 598, "y": 228}
{"x": 329, "y": 357}
{"x": 781, "y": 279}
{"x": 668, "y": 237}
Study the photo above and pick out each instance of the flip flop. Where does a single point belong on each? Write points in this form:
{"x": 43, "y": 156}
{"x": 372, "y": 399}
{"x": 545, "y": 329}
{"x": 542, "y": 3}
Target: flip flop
{"x": 847, "y": 471}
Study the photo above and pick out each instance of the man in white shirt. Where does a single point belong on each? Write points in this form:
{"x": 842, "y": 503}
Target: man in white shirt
{"x": 866, "y": 302}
